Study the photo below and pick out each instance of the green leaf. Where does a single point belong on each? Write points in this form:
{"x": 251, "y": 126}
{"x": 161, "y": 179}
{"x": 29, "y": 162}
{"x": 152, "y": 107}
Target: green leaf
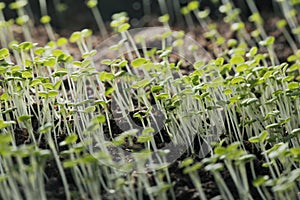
{"x": 48, "y": 85}
{"x": 24, "y": 118}
{"x": 225, "y": 8}
{"x": 214, "y": 167}
{"x": 255, "y": 17}
{"x": 2, "y": 5}
{"x": 106, "y": 62}
{"x": 57, "y": 85}
{"x": 204, "y": 94}
{"x": 76, "y": 36}
{"x": 274, "y": 125}
{"x": 220, "y": 151}
{"x": 5, "y": 124}
{"x": 227, "y": 91}
{"x": 295, "y": 151}
{"x": 237, "y": 26}
{"x": 295, "y": 2}
{"x": 4, "y": 53}
{"x": 193, "y": 5}
{"x": 60, "y": 72}
{"x": 90, "y": 109}
{"x": 254, "y": 139}
{"x": 193, "y": 168}
{"x": 165, "y": 53}
{"x": 242, "y": 67}
{"x": 121, "y": 138}
{"x": 58, "y": 53}
{"x": 296, "y": 30}
{"x": 203, "y": 14}
{"x": 118, "y": 22}
{"x": 199, "y": 64}
{"x": 237, "y": 60}
{"x": 237, "y": 80}
{"x": 141, "y": 84}
{"x": 293, "y": 85}
{"x": 71, "y": 139}
{"x": 85, "y": 63}
{"x": 292, "y": 58}
{"x": 61, "y": 41}
{"x": 70, "y": 163}
{"x": 51, "y": 44}
{"x": 77, "y": 63}
{"x": 92, "y": 3}
{"x": 144, "y": 138}
{"x": 25, "y": 46}
{"x": 99, "y": 119}
{"x": 164, "y": 19}
{"x": 187, "y": 162}
{"x": 4, "y": 97}
{"x": 277, "y": 150}
{"x": 85, "y": 33}
{"x": 106, "y": 76}
{"x": 219, "y": 61}
{"x": 26, "y": 74}
{"x": 45, "y": 19}
{"x": 88, "y": 159}
{"x": 43, "y": 94}
{"x": 281, "y": 23}
{"x": 22, "y": 20}
{"x": 184, "y": 10}
{"x": 252, "y": 52}
{"x": 268, "y": 41}
{"x": 248, "y": 101}
{"x": 109, "y": 90}
{"x": 156, "y": 88}
{"x": 231, "y": 42}
{"x": 45, "y": 128}
{"x": 5, "y": 139}
{"x": 148, "y": 130}
{"x": 162, "y": 96}
{"x": 193, "y": 47}
{"x": 217, "y": 82}
{"x": 260, "y": 138}
{"x": 123, "y": 27}
{"x": 260, "y": 180}
{"x": 39, "y": 51}
{"x": 52, "y": 93}
{"x": 101, "y": 102}
{"x": 85, "y": 55}
{"x": 50, "y": 62}
{"x": 123, "y": 63}
{"x": 138, "y": 62}
{"x": 263, "y": 135}
{"x": 178, "y": 43}
{"x": 18, "y": 4}
{"x": 246, "y": 158}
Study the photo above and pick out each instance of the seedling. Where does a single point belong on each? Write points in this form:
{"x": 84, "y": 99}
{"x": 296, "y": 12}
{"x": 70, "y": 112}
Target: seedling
{"x": 92, "y": 4}
{"x": 116, "y": 132}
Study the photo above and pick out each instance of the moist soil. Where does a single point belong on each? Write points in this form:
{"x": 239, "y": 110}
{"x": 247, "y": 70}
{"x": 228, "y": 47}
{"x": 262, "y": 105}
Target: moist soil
{"x": 184, "y": 188}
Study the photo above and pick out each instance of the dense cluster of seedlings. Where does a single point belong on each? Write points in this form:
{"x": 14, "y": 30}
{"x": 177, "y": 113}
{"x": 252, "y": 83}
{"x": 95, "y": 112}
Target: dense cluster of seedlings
{"x": 122, "y": 126}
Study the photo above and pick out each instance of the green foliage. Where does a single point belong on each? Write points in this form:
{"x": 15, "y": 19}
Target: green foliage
{"x": 242, "y": 96}
{"x": 4, "y": 53}
{"x": 45, "y": 19}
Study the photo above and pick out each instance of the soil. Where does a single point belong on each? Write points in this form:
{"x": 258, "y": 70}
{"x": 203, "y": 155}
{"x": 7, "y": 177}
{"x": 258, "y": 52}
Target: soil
{"x": 183, "y": 188}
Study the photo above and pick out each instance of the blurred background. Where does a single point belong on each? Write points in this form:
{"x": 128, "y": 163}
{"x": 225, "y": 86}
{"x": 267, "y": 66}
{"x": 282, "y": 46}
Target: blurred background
{"x": 76, "y": 15}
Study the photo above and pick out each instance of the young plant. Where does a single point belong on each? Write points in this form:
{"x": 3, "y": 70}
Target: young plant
{"x": 92, "y": 4}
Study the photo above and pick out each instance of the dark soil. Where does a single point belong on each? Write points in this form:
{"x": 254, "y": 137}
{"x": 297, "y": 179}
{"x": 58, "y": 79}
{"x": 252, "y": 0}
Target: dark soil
{"x": 184, "y": 189}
